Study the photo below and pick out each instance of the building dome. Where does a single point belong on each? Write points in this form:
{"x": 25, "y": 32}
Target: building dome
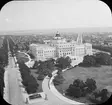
{"x": 58, "y": 34}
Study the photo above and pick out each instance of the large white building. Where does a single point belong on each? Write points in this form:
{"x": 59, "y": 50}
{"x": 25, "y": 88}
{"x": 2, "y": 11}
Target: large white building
{"x": 42, "y": 51}
{"x": 59, "y": 47}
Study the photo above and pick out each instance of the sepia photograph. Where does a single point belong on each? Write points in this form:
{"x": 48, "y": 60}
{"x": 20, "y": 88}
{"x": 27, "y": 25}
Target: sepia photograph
{"x": 56, "y": 52}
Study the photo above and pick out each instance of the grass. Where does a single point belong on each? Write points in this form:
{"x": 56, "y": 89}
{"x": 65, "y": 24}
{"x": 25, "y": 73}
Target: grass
{"x": 22, "y": 56}
{"x": 102, "y": 75}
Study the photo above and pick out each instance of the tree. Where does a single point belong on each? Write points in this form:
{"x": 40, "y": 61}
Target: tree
{"x": 45, "y": 67}
{"x": 50, "y": 64}
{"x": 2, "y": 80}
{"x": 99, "y": 97}
{"x": 11, "y": 44}
{"x": 1, "y": 61}
{"x": 23, "y": 67}
{"x": 103, "y": 58}
{"x": 81, "y": 89}
{"x": 104, "y": 95}
{"x": 31, "y": 55}
{"x": 49, "y": 75}
{"x": 4, "y": 51}
{"x": 29, "y": 81}
{"x": 63, "y": 62}
{"x": 58, "y": 80}
{"x": 36, "y": 64}
{"x": 32, "y": 85}
{"x": 90, "y": 84}
{"x": 74, "y": 91}
{"x": 40, "y": 77}
{"x": 89, "y": 60}
{"x": 79, "y": 83}
{"x": 42, "y": 68}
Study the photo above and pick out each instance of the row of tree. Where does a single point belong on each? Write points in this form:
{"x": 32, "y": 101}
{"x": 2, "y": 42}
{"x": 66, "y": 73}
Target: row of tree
{"x": 29, "y": 81}
{"x": 97, "y": 59}
{"x": 103, "y": 48}
{"x": 87, "y": 89}
{"x": 3, "y": 63}
{"x": 2, "y": 85}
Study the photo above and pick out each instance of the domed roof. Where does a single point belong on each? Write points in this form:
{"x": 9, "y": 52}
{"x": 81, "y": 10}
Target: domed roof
{"x": 58, "y": 34}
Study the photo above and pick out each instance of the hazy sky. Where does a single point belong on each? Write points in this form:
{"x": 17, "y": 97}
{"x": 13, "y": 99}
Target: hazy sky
{"x": 50, "y": 14}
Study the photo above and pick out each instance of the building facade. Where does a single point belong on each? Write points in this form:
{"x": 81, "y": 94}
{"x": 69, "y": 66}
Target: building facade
{"x": 59, "y": 47}
{"x": 42, "y": 51}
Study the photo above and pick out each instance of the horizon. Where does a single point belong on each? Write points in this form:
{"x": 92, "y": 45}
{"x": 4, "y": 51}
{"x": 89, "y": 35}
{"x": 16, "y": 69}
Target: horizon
{"x": 64, "y": 30}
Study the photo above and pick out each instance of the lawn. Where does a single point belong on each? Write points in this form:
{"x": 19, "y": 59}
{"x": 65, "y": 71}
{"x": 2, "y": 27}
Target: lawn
{"x": 22, "y": 56}
{"x": 102, "y": 75}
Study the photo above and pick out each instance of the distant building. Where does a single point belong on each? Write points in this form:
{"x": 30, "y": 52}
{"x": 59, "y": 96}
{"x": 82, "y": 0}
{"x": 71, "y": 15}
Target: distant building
{"x": 108, "y": 42}
{"x": 60, "y": 47}
{"x": 42, "y": 51}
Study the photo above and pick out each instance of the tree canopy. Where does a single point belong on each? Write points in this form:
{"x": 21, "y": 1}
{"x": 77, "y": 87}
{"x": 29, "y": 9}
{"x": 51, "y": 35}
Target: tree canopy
{"x": 63, "y": 62}
{"x": 97, "y": 59}
{"x": 29, "y": 81}
{"x": 59, "y": 79}
{"x": 80, "y": 88}
{"x": 2, "y": 80}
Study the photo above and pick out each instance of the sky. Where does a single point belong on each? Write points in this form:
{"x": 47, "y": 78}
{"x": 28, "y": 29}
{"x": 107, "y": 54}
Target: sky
{"x": 53, "y": 14}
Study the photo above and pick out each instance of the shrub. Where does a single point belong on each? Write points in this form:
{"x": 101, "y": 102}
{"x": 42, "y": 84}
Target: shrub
{"x": 99, "y": 97}
{"x": 40, "y": 77}
{"x": 91, "y": 85}
{"x": 74, "y": 91}
{"x": 83, "y": 88}
{"x": 58, "y": 79}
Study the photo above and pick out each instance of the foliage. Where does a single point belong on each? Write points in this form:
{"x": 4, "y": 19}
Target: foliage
{"x": 2, "y": 80}
{"x": 89, "y": 60}
{"x": 4, "y": 53}
{"x": 63, "y": 62}
{"x": 103, "y": 48}
{"x": 40, "y": 77}
{"x": 24, "y": 46}
{"x": 31, "y": 55}
{"x": 99, "y": 97}
{"x": 44, "y": 67}
{"x": 11, "y": 45}
{"x": 36, "y": 64}
{"x": 74, "y": 91}
{"x": 96, "y": 60}
{"x": 103, "y": 59}
{"x": 58, "y": 79}
{"x": 81, "y": 87}
{"x": 29, "y": 81}
{"x": 91, "y": 85}
{"x": 32, "y": 85}
{"x": 49, "y": 75}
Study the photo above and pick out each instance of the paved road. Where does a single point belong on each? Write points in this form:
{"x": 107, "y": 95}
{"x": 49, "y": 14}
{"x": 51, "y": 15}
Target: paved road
{"x": 52, "y": 99}
{"x": 15, "y": 96}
